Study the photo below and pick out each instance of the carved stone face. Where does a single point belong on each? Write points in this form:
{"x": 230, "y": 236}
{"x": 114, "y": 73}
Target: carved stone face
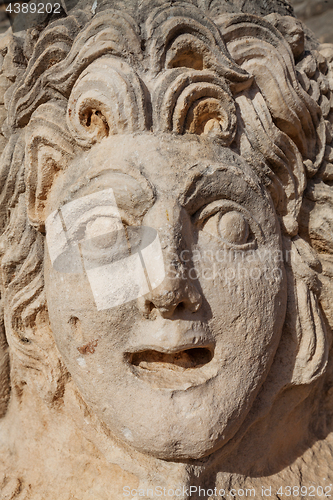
{"x": 174, "y": 373}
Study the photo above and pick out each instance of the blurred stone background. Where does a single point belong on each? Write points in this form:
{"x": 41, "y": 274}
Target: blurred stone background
{"x": 318, "y": 15}
{"x": 4, "y": 21}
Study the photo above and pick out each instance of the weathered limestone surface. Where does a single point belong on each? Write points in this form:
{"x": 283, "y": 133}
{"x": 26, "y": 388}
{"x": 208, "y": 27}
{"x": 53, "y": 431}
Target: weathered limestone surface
{"x": 166, "y": 240}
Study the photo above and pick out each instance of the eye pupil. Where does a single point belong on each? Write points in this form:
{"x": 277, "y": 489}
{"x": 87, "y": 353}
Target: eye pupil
{"x": 234, "y": 228}
{"x": 103, "y": 232}
{"x": 101, "y": 226}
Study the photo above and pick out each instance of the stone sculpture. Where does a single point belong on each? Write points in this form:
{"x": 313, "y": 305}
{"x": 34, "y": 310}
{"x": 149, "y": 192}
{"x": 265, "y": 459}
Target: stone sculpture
{"x": 201, "y": 131}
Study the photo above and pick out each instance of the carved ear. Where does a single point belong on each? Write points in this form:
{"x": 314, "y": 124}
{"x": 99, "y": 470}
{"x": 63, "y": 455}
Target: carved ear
{"x": 305, "y": 323}
{"x": 313, "y": 349}
{"x": 49, "y": 149}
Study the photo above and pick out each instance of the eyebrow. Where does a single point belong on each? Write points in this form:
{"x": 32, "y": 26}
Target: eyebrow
{"x": 97, "y": 172}
{"x": 202, "y": 174}
{"x": 193, "y": 191}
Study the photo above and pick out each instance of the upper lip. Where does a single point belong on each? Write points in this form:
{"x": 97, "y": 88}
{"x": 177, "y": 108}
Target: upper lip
{"x": 171, "y": 341}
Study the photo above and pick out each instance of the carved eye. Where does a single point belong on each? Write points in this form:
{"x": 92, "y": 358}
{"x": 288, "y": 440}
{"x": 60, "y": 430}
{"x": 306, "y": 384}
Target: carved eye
{"x": 104, "y": 242}
{"x": 232, "y": 227}
{"x": 100, "y": 234}
{"x": 103, "y": 232}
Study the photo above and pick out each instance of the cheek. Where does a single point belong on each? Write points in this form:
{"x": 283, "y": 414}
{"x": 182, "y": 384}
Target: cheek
{"x": 78, "y": 327}
{"x": 247, "y": 302}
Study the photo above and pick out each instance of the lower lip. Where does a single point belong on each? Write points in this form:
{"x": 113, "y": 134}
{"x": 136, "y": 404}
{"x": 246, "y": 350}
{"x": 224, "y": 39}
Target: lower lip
{"x": 162, "y": 375}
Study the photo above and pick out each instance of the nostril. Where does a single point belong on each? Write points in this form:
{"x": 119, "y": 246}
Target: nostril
{"x": 181, "y": 307}
{"x": 171, "y": 297}
{"x": 149, "y": 306}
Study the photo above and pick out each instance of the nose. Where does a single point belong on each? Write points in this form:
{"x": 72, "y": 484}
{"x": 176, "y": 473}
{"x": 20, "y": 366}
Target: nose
{"x": 172, "y": 296}
{"x": 177, "y": 291}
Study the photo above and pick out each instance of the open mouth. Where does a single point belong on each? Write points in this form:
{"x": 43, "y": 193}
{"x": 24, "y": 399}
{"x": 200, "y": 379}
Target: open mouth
{"x": 180, "y": 361}
{"x": 173, "y": 370}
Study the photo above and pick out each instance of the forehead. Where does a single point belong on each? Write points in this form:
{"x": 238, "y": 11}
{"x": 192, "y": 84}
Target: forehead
{"x": 163, "y": 164}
